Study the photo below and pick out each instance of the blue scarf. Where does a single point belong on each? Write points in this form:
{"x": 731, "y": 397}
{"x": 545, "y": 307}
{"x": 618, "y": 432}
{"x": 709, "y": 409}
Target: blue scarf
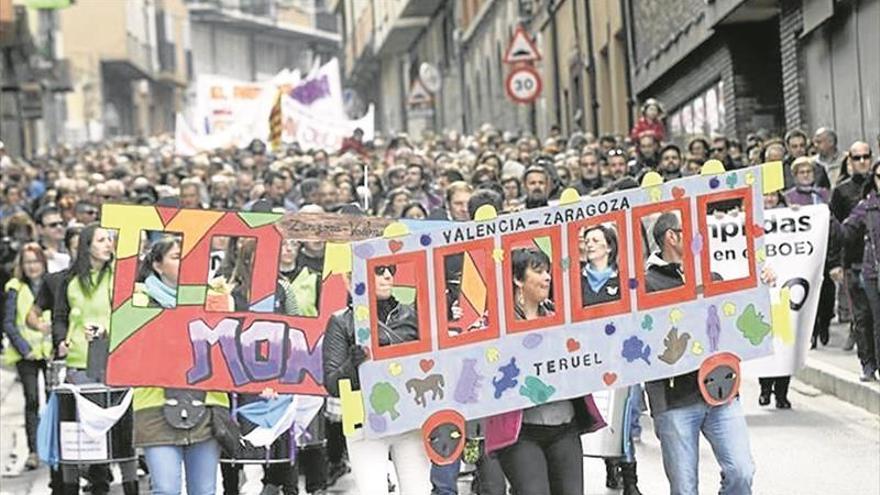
{"x": 597, "y": 278}
{"x": 160, "y": 292}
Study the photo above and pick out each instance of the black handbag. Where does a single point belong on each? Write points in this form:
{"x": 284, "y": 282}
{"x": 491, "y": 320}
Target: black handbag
{"x": 226, "y": 431}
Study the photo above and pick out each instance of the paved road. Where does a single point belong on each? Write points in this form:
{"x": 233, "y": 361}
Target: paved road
{"x": 822, "y": 446}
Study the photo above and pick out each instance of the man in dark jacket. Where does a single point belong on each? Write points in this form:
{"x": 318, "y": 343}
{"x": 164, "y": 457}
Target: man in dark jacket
{"x": 843, "y": 199}
{"x": 591, "y": 178}
{"x": 679, "y": 410}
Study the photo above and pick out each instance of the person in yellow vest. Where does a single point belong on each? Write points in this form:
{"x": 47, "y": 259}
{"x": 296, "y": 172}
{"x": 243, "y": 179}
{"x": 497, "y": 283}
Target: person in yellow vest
{"x": 174, "y": 427}
{"x": 82, "y": 312}
{"x": 30, "y": 347}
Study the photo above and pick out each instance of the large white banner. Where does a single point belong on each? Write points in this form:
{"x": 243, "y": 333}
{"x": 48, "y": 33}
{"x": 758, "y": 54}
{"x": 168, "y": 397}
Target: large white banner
{"x": 795, "y": 246}
{"x": 232, "y": 113}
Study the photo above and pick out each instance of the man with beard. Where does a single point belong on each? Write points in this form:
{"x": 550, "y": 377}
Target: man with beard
{"x": 536, "y": 181}
{"x": 591, "y": 178}
{"x": 670, "y": 162}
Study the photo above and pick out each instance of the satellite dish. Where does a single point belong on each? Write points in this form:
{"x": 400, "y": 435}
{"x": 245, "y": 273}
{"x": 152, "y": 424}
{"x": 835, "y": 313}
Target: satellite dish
{"x": 430, "y": 77}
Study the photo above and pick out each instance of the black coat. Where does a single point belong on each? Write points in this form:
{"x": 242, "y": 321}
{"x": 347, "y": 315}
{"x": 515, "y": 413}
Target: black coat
{"x": 844, "y": 198}
{"x": 607, "y": 293}
{"x": 397, "y": 324}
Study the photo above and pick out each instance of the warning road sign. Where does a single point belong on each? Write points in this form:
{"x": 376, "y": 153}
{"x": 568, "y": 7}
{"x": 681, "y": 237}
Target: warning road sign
{"x": 521, "y": 48}
{"x": 523, "y": 84}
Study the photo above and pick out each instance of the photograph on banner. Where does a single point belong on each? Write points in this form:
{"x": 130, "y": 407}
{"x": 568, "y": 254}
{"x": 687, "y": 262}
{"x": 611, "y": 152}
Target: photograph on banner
{"x": 220, "y": 300}
{"x": 398, "y": 302}
{"x": 555, "y": 343}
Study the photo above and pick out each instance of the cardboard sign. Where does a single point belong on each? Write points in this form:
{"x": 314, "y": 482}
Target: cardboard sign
{"x": 239, "y": 331}
{"x": 521, "y": 310}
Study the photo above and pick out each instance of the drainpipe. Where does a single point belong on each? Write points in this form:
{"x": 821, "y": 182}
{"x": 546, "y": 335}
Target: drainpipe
{"x": 556, "y": 98}
{"x": 461, "y": 82}
{"x": 591, "y": 71}
{"x": 626, "y": 13}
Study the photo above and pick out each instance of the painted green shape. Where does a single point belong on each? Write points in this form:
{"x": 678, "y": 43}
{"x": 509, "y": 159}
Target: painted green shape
{"x": 384, "y": 398}
{"x": 258, "y": 219}
{"x": 536, "y": 390}
{"x": 127, "y": 320}
{"x": 543, "y": 244}
{"x": 752, "y": 325}
{"x": 191, "y": 295}
{"x": 404, "y": 294}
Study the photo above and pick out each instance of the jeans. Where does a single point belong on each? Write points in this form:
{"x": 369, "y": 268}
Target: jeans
{"x": 444, "y": 479}
{"x": 369, "y": 460}
{"x": 545, "y": 460}
{"x": 636, "y": 407}
{"x": 724, "y": 427}
{"x": 200, "y": 461}
{"x": 862, "y": 320}
{"x": 869, "y": 339}
{"x": 29, "y": 372}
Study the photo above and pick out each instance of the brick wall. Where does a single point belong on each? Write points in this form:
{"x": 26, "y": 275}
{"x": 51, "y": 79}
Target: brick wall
{"x": 790, "y": 25}
{"x": 657, "y": 23}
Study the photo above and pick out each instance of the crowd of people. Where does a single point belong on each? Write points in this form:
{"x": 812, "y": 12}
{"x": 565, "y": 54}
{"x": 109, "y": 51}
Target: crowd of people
{"x": 57, "y": 273}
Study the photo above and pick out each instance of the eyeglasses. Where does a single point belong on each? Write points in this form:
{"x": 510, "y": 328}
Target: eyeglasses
{"x": 55, "y": 225}
{"x": 616, "y": 152}
{"x": 858, "y": 158}
{"x": 380, "y": 270}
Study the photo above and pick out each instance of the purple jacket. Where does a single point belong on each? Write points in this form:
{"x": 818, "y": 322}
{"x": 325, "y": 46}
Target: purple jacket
{"x": 804, "y": 196}
{"x": 862, "y": 229}
{"x": 503, "y": 430}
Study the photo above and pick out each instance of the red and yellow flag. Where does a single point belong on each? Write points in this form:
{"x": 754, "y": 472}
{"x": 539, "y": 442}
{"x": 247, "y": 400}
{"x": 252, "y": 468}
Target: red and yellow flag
{"x": 275, "y": 123}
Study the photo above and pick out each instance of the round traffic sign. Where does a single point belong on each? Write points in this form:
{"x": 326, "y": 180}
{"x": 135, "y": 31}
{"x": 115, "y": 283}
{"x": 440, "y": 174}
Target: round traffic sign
{"x": 523, "y": 84}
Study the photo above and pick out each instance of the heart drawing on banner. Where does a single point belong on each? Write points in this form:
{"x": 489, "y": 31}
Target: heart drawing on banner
{"x": 395, "y": 246}
{"x": 572, "y": 345}
{"x": 426, "y": 364}
{"x": 678, "y": 192}
{"x": 609, "y": 378}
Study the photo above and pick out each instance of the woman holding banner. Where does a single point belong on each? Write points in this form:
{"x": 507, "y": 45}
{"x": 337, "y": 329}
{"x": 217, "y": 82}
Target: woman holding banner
{"x": 396, "y": 324}
{"x": 540, "y": 447}
{"x": 174, "y": 427}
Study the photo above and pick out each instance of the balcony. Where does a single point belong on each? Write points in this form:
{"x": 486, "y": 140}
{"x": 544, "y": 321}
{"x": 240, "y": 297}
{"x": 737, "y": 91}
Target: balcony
{"x": 135, "y": 63}
{"x": 399, "y": 24}
{"x": 258, "y": 16}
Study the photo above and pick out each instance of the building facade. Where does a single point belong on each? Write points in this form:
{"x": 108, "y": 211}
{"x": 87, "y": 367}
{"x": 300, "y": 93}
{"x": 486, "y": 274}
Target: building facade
{"x": 582, "y": 64}
{"x": 735, "y": 67}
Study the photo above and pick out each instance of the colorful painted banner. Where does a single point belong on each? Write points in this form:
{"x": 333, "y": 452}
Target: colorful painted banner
{"x": 248, "y": 327}
{"x": 515, "y": 311}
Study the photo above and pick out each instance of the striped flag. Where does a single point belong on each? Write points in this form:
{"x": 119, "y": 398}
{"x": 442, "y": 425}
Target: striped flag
{"x": 275, "y": 123}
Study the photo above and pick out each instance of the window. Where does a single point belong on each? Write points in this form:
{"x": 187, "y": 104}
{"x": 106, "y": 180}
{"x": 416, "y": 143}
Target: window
{"x": 728, "y": 259}
{"x": 599, "y": 268}
{"x": 399, "y": 311}
{"x": 533, "y": 279}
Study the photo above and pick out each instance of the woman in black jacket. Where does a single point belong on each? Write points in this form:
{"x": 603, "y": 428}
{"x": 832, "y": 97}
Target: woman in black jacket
{"x": 600, "y": 278}
{"x": 396, "y": 324}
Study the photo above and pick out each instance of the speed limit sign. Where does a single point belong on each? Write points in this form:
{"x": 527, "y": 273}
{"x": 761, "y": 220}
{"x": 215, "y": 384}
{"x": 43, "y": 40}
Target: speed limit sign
{"x": 523, "y": 84}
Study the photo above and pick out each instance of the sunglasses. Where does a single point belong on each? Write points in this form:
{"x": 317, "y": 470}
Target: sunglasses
{"x": 55, "y": 225}
{"x": 380, "y": 270}
{"x": 616, "y": 152}
{"x": 90, "y": 212}
{"x": 858, "y": 158}
{"x": 719, "y": 149}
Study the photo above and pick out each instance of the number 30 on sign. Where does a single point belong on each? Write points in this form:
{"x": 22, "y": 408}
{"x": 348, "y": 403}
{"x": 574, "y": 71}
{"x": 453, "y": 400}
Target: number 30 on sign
{"x": 523, "y": 84}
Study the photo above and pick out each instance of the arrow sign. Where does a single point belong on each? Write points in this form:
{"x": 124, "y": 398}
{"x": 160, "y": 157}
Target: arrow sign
{"x": 521, "y": 48}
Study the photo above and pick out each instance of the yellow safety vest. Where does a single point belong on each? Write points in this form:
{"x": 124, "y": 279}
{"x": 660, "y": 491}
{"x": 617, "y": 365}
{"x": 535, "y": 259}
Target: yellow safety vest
{"x": 148, "y": 397}
{"x": 41, "y": 345}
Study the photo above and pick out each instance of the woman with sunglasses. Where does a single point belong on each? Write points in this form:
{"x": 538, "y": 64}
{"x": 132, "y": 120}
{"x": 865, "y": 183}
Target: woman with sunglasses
{"x": 540, "y": 447}
{"x": 397, "y": 324}
{"x": 862, "y": 229}
{"x": 31, "y": 346}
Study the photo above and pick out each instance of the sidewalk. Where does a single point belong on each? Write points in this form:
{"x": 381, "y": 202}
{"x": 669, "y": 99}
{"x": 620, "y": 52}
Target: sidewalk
{"x": 836, "y": 372}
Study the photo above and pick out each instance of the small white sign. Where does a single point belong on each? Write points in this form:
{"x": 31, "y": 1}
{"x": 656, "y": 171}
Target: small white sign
{"x": 76, "y": 445}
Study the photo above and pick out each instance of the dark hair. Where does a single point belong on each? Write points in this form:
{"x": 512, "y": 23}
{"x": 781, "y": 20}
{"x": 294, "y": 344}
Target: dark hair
{"x": 795, "y": 133}
{"x": 49, "y": 209}
{"x": 411, "y": 206}
{"x": 526, "y": 258}
{"x": 156, "y": 254}
{"x": 870, "y": 184}
{"x": 700, "y": 139}
{"x": 269, "y": 178}
{"x": 82, "y": 265}
{"x": 452, "y": 175}
{"x": 610, "y": 239}
{"x": 484, "y": 197}
{"x": 69, "y": 234}
{"x": 666, "y": 221}
{"x": 308, "y": 186}
{"x": 670, "y": 146}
